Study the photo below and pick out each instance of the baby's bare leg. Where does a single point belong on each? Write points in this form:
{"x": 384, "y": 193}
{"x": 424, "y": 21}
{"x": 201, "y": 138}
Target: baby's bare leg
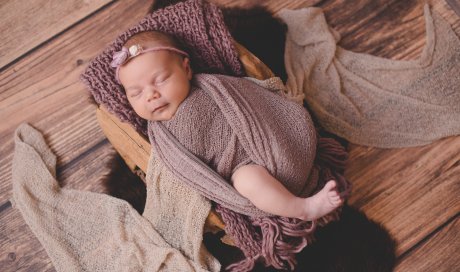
{"x": 256, "y": 184}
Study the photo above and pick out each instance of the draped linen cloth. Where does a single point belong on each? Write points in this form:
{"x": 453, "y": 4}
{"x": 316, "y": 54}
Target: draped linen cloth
{"x": 370, "y": 100}
{"x": 87, "y": 231}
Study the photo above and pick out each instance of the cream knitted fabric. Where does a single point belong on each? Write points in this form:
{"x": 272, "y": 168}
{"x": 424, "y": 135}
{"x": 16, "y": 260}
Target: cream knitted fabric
{"x": 177, "y": 213}
{"x": 370, "y": 100}
{"x": 86, "y": 231}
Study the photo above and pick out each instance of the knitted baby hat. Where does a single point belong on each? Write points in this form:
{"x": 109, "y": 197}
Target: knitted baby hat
{"x": 197, "y": 24}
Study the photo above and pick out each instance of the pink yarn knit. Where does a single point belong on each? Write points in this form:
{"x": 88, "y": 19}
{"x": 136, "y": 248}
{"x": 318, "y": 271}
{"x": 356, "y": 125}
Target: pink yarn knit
{"x": 200, "y": 27}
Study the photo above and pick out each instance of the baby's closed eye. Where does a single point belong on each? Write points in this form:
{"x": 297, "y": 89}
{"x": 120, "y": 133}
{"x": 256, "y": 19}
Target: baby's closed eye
{"x": 134, "y": 93}
{"x": 161, "y": 79}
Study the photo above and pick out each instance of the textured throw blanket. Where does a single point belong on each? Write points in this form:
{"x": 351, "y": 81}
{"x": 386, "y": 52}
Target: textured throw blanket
{"x": 370, "y": 100}
{"x": 86, "y": 231}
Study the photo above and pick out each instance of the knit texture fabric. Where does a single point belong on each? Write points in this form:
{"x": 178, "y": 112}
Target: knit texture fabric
{"x": 370, "y": 100}
{"x": 87, "y": 231}
{"x": 197, "y": 24}
{"x": 226, "y": 122}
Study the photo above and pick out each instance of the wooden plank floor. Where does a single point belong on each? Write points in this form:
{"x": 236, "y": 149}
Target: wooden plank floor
{"x": 45, "y": 45}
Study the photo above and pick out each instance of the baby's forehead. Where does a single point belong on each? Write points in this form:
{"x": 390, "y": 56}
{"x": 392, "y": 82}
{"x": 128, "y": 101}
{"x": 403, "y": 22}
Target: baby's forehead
{"x": 150, "y": 64}
{"x": 153, "y": 38}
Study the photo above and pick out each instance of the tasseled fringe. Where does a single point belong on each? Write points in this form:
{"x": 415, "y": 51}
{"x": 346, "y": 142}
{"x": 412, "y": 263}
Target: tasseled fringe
{"x": 283, "y": 239}
{"x": 331, "y": 154}
{"x": 244, "y": 265}
{"x": 273, "y": 240}
{"x": 276, "y": 240}
{"x": 331, "y": 159}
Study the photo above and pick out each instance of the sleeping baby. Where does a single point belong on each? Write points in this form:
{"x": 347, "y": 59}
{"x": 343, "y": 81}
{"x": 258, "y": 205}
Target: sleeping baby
{"x": 160, "y": 86}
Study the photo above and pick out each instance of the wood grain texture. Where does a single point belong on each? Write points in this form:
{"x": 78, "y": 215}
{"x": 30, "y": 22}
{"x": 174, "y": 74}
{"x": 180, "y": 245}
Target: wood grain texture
{"x": 70, "y": 131}
{"x": 253, "y": 66}
{"x": 44, "y": 89}
{"x": 413, "y": 192}
{"x": 385, "y": 28}
{"x": 20, "y": 249}
{"x": 439, "y": 253}
{"x": 410, "y": 190}
{"x": 132, "y": 146}
{"x": 23, "y": 25}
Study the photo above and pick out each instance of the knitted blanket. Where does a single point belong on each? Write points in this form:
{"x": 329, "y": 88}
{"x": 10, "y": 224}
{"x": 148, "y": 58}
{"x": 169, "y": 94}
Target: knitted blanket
{"x": 370, "y": 100}
{"x": 86, "y": 231}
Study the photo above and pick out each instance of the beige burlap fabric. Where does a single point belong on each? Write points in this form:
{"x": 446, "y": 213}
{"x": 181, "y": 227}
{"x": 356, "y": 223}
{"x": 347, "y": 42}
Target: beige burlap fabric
{"x": 86, "y": 231}
{"x": 370, "y": 100}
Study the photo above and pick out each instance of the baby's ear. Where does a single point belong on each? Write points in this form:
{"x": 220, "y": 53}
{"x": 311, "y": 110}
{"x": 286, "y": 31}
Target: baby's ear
{"x": 187, "y": 67}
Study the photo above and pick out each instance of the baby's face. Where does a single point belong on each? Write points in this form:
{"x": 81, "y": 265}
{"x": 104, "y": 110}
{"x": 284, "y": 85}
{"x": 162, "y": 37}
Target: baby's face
{"x": 156, "y": 83}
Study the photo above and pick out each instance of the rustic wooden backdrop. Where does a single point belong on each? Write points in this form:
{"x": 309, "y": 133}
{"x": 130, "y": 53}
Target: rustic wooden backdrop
{"x": 45, "y": 45}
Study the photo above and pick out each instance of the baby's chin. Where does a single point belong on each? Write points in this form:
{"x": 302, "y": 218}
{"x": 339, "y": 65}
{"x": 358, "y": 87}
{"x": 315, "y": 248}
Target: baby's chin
{"x": 166, "y": 116}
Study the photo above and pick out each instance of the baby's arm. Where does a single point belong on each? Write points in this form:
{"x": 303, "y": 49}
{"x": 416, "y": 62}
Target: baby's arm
{"x": 266, "y": 193}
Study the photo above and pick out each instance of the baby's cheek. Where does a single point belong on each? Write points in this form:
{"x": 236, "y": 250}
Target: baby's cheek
{"x": 139, "y": 109}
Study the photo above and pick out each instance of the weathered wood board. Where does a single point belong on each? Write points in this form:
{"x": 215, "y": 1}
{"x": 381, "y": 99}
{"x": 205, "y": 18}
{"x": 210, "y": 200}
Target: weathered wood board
{"x": 413, "y": 192}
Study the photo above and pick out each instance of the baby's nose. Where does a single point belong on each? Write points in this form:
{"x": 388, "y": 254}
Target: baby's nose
{"x": 152, "y": 94}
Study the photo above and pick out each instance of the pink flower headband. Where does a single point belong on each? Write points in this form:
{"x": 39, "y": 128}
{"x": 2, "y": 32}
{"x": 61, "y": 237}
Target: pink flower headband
{"x": 121, "y": 57}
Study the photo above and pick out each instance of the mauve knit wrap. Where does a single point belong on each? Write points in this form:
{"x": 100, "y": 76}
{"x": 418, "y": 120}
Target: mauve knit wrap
{"x": 197, "y": 24}
{"x": 226, "y": 122}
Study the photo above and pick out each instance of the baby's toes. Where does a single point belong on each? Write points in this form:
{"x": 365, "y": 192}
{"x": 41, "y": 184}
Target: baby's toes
{"x": 330, "y": 185}
{"x": 333, "y": 193}
{"x": 339, "y": 201}
{"x": 335, "y": 199}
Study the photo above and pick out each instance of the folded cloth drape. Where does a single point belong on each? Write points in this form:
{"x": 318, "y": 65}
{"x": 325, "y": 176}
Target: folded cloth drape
{"x": 87, "y": 231}
{"x": 370, "y": 100}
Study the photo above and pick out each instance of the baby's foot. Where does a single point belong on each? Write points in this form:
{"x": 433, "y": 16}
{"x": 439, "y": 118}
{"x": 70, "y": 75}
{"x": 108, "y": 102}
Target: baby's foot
{"x": 322, "y": 203}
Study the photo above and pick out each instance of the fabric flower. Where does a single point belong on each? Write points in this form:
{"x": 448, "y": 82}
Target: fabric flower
{"x": 119, "y": 57}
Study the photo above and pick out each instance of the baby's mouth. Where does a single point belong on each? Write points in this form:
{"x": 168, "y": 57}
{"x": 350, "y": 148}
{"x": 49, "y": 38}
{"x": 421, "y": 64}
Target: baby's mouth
{"x": 160, "y": 108}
